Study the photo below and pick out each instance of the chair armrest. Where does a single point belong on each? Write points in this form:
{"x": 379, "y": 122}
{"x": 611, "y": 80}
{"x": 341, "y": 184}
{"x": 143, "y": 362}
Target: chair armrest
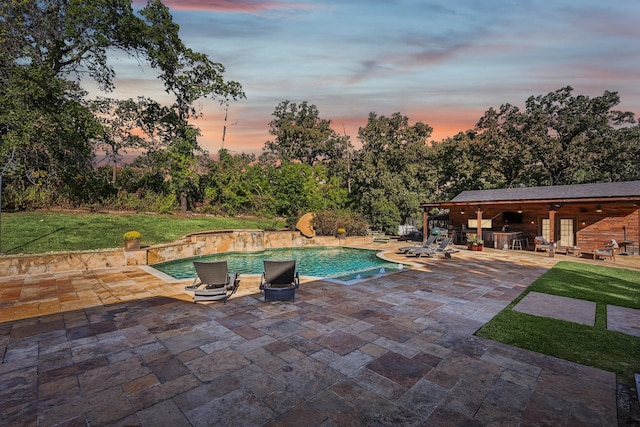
{"x": 193, "y": 286}
{"x": 232, "y": 279}
{"x": 296, "y": 280}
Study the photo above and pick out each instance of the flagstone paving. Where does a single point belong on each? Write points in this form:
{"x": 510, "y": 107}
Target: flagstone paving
{"x": 623, "y": 319}
{"x": 122, "y": 347}
{"x": 558, "y": 307}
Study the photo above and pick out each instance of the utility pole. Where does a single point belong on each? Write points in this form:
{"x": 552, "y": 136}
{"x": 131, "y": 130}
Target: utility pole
{"x": 226, "y": 115}
{"x": 225, "y": 106}
{"x": 344, "y": 132}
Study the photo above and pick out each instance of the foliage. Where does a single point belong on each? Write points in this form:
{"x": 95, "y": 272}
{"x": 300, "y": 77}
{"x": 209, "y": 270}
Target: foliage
{"x": 460, "y": 166}
{"x": 143, "y": 201}
{"x": 473, "y": 238}
{"x": 298, "y": 188}
{"x": 301, "y": 135}
{"x": 132, "y": 235}
{"x": 390, "y": 177}
{"x": 122, "y": 124}
{"x": 328, "y": 222}
{"x": 50, "y": 46}
{"x": 558, "y": 139}
{"x": 590, "y": 345}
{"x": 562, "y": 139}
{"x": 44, "y": 119}
{"x": 234, "y": 185}
{"x": 47, "y": 46}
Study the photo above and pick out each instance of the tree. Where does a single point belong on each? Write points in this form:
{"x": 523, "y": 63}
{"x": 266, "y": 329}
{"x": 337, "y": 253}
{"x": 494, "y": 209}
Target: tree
{"x": 121, "y": 124}
{"x": 391, "y": 174}
{"x": 301, "y": 135}
{"x": 566, "y": 133}
{"x": 188, "y": 75}
{"x": 558, "y": 139}
{"x": 49, "y": 45}
{"x": 619, "y": 158}
{"x": 236, "y": 185}
{"x": 499, "y": 135}
{"x": 458, "y": 165}
{"x": 44, "y": 118}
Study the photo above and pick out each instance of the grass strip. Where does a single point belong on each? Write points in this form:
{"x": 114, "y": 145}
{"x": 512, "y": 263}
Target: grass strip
{"x": 589, "y": 345}
{"x": 42, "y": 232}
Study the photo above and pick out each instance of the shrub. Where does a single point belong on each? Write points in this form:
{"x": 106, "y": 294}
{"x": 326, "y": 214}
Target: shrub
{"x": 132, "y": 235}
{"x": 327, "y": 223}
{"x": 290, "y": 222}
{"x": 385, "y": 216}
{"x": 142, "y": 201}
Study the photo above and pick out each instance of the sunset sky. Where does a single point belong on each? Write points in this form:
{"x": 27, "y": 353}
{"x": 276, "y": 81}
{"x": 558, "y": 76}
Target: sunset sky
{"x": 443, "y": 64}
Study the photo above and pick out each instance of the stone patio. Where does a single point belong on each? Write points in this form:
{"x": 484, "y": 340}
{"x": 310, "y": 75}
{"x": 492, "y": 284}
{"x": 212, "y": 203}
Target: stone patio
{"x": 122, "y": 347}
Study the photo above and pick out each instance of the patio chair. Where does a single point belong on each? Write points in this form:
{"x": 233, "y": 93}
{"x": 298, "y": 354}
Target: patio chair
{"x": 426, "y": 244}
{"x": 541, "y": 243}
{"x": 213, "y": 282}
{"x": 442, "y": 249}
{"x": 279, "y": 280}
{"x": 609, "y": 250}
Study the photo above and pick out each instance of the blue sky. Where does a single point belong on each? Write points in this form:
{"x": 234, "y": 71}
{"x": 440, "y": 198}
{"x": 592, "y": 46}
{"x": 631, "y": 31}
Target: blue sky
{"x": 441, "y": 64}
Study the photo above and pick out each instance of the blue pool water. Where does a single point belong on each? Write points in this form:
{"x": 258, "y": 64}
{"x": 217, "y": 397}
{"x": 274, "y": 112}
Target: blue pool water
{"x": 343, "y": 264}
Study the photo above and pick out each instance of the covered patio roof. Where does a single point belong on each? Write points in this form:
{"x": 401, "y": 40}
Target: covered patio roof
{"x": 608, "y": 192}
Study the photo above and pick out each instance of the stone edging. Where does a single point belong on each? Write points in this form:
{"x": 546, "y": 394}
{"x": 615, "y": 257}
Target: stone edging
{"x": 196, "y": 244}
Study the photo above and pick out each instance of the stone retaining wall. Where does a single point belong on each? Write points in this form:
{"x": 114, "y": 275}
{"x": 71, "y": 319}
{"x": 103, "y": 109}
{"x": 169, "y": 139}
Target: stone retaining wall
{"x": 192, "y": 245}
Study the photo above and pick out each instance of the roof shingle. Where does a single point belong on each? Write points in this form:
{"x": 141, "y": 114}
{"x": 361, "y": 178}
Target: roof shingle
{"x": 553, "y": 192}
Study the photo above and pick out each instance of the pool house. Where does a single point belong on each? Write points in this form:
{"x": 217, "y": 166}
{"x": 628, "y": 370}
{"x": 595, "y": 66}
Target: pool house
{"x": 583, "y": 215}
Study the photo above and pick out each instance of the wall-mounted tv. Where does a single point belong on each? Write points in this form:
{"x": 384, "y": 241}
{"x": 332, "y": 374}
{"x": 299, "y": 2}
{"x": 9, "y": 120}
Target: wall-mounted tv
{"x": 512, "y": 217}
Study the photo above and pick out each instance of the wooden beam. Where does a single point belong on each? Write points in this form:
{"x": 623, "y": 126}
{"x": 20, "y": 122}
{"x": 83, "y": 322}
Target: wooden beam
{"x": 552, "y": 226}
{"x": 425, "y": 225}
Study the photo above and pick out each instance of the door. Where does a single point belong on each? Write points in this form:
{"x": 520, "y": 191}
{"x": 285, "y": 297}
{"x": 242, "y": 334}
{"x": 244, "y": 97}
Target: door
{"x": 567, "y": 232}
{"x": 564, "y": 231}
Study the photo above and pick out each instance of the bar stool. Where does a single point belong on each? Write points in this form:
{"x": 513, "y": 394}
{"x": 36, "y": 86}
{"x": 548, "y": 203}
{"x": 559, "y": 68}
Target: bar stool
{"x": 516, "y": 244}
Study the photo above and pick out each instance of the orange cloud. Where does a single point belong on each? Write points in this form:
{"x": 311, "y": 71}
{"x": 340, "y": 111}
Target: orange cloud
{"x": 249, "y": 135}
{"x": 446, "y": 122}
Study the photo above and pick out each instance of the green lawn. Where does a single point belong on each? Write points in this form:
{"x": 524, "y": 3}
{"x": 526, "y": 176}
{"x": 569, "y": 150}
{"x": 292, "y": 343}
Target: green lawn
{"x": 41, "y": 232}
{"x": 593, "y": 346}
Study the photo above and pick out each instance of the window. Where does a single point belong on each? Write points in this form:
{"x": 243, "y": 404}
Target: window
{"x": 544, "y": 224}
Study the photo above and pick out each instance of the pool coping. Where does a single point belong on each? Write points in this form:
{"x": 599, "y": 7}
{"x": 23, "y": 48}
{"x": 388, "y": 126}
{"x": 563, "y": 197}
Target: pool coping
{"x": 379, "y": 253}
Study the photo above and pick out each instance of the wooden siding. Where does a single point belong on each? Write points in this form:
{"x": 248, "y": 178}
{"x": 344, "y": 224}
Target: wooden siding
{"x": 592, "y": 229}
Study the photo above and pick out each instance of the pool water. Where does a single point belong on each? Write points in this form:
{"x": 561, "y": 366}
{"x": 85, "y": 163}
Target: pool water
{"x": 343, "y": 264}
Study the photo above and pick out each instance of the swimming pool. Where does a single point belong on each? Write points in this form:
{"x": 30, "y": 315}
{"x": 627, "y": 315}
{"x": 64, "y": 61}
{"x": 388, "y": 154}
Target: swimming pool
{"x": 344, "y": 264}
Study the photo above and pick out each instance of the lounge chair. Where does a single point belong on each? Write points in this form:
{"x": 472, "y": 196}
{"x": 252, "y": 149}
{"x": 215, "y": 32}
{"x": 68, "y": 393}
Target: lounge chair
{"x": 380, "y": 237}
{"x": 426, "y": 244}
{"x": 442, "y": 249}
{"x": 541, "y": 243}
{"x": 279, "y": 280}
{"x": 213, "y": 282}
{"x": 609, "y": 251}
